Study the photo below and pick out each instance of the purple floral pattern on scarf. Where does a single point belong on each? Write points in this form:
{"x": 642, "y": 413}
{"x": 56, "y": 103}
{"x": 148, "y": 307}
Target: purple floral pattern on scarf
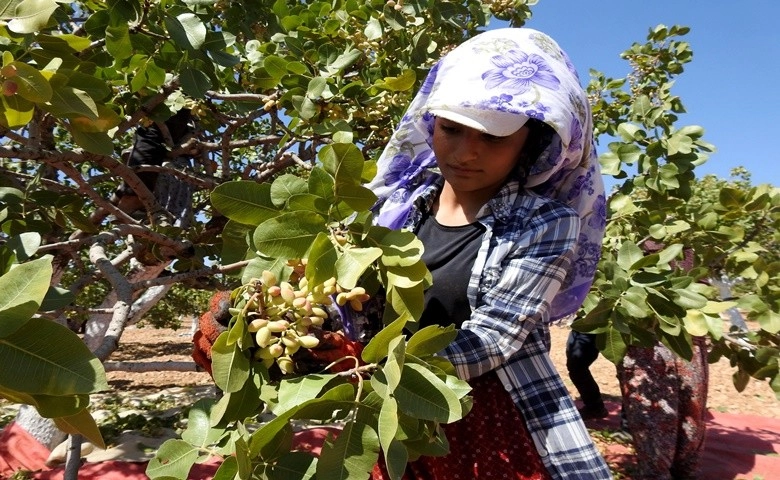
{"x": 517, "y": 70}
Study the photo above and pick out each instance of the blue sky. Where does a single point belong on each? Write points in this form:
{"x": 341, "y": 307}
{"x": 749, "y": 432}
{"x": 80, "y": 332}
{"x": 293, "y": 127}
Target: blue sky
{"x": 732, "y": 86}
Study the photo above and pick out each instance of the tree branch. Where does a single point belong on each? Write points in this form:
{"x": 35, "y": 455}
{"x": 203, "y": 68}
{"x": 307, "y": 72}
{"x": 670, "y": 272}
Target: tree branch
{"x": 179, "y": 277}
{"x": 124, "y": 292}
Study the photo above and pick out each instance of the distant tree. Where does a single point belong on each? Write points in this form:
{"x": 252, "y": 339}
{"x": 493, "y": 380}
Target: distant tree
{"x": 730, "y": 228}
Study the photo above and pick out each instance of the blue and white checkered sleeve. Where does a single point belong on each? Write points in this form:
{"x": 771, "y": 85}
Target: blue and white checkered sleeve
{"x": 523, "y": 271}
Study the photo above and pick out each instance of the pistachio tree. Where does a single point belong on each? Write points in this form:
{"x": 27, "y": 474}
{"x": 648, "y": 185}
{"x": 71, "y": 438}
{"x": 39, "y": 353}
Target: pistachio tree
{"x": 264, "y": 86}
{"x": 701, "y": 231}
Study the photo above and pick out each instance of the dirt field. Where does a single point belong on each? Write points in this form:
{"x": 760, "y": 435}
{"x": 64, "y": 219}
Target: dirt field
{"x": 147, "y": 344}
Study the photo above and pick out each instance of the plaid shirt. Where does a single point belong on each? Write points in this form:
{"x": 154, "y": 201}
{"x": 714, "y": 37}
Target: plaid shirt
{"x": 521, "y": 263}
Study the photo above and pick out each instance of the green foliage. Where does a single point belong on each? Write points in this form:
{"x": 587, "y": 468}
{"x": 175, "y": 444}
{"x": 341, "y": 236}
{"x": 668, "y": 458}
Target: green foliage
{"x": 53, "y": 370}
{"x": 669, "y": 234}
{"x": 409, "y": 393}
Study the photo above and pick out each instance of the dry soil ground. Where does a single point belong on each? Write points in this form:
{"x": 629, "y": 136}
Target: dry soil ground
{"x": 148, "y": 344}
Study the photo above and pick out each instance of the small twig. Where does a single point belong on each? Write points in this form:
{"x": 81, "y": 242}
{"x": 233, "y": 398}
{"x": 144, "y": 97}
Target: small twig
{"x": 171, "y": 279}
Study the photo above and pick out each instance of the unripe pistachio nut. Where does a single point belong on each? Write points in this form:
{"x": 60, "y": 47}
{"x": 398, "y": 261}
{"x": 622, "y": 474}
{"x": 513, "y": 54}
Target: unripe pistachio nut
{"x": 256, "y": 324}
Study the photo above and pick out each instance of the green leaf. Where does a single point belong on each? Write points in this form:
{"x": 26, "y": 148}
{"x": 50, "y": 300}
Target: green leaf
{"x": 688, "y": 299}
{"x": 610, "y": 164}
{"x": 71, "y": 102}
{"x": 24, "y": 245}
{"x": 22, "y": 290}
{"x": 186, "y": 30}
{"x": 194, "y": 82}
{"x": 679, "y": 344}
{"x": 227, "y": 470}
{"x": 235, "y": 242}
{"x": 229, "y": 364}
{"x": 293, "y": 465}
{"x": 628, "y": 254}
{"x": 16, "y": 111}
{"x": 49, "y": 359}
{"x": 344, "y": 60}
{"x": 174, "y": 459}
{"x": 199, "y": 431}
{"x": 399, "y": 248}
{"x": 670, "y": 253}
{"x": 423, "y": 395}
{"x": 31, "y": 83}
{"x": 48, "y": 406}
{"x": 296, "y": 391}
{"x": 344, "y": 162}
{"x": 611, "y": 345}
{"x": 769, "y": 321}
{"x": 285, "y": 186}
{"x": 634, "y": 300}
{"x": 401, "y": 83}
{"x": 93, "y": 142}
{"x": 237, "y": 406}
{"x": 357, "y": 197}
{"x": 106, "y": 120}
{"x": 730, "y": 198}
{"x": 353, "y": 262}
{"x": 394, "y": 364}
{"x": 388, "y": 422}
{"x": 431, "y": 340}
{"x": 376, "y": 350}
{"x": 245, "y": 202}
{"x": 351, "y": 456}
{"x": 629, "y": 153}
{"x": 396, "y": 458}
{"x": 321, "y": 183}
{"x": 373, "y": 30}
{"x": 322, "y": 260}
{"x": 695, "y": 323}
{"x": 65, "y": 43}
{"x": 289, "y": 235}
{"x": 118, "y": 41}
{"x": 56, "y": 298}
{"x": 83, "y": 424}
{"x": 32, "y": 15}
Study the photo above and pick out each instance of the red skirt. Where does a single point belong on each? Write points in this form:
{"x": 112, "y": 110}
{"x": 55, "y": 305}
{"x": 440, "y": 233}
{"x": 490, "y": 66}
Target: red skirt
{"x": 491, "y": 442}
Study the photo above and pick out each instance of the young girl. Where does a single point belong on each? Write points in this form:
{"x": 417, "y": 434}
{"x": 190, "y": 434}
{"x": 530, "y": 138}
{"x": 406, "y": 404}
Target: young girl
{"x": 494, "y": 168}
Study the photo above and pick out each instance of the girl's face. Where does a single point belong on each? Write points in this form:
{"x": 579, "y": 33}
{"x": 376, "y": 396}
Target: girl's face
{"x": 474, "y": 162}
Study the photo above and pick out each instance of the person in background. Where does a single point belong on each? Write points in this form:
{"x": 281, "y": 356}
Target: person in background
{"x": 493, "y": 167}
{"x": 665, "y": 401}
{"x": 581, "y": 352}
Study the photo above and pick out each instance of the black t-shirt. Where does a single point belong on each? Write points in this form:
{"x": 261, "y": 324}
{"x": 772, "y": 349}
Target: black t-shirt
{"x": 449, "y": 255}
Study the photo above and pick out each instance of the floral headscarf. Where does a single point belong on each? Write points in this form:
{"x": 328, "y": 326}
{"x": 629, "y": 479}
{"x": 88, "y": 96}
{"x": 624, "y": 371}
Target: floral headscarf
{"x": 498, "y": 78}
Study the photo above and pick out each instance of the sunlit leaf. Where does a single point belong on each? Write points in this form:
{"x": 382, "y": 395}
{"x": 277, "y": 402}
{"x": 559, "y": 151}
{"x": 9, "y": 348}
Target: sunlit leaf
{"x": 352, "y": 455}
{"x": 32, "y": 15}
{"x": 22, "y": 290}
{"x": 353, "y": 262}
{"x": 430, "y": 340}
{"x": 423, "y": 395}
{"x": 187, "y": 30}
{"x": 174, "y": 459}
{"x": 230, "y": 365}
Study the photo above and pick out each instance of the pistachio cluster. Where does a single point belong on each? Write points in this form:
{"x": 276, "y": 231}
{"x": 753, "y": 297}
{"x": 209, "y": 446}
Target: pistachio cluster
{"x": 282, "y": 316}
